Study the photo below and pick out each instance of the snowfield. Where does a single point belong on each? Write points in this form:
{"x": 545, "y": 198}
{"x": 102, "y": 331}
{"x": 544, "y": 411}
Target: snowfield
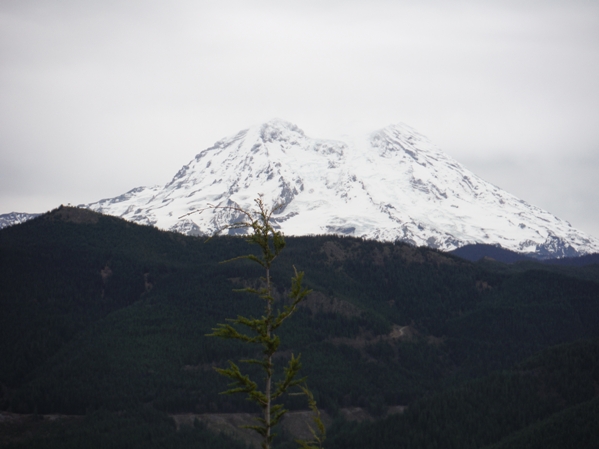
{"x": 393, "y": 184}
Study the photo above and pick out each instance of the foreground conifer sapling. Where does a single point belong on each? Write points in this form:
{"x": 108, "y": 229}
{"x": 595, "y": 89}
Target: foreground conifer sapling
{"x": 261, "y": 331}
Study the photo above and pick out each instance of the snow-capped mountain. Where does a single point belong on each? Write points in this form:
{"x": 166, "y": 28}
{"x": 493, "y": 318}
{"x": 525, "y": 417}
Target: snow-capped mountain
{"x": 14, "y": 218}
{"x": 391, "y": 185}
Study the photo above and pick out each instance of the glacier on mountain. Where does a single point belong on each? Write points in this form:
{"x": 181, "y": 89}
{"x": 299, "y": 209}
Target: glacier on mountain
{"x": 391, "y": 185}
{"x": 14, "y": 218}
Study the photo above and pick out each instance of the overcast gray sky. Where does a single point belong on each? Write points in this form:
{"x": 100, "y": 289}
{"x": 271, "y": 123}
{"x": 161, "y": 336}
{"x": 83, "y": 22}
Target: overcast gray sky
{"x": 99, "y": 97}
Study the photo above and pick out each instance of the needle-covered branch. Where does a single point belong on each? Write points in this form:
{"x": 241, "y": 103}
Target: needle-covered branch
{"x": 297, "y": 295}
{"x": 261, "y": 330}
{"x": 319, "y": 433}
{"x": 291, "y": 370}
{"x": 241, "y": 383}
{"x": 228, "y": 331}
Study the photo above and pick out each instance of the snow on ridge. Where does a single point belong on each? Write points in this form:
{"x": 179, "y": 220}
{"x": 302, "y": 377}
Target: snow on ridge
{"x": 393, "y": 184}
{"x": 13, "y": 218}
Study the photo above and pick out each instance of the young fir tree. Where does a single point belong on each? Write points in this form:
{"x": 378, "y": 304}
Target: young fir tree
{"x": 261, "y": 331}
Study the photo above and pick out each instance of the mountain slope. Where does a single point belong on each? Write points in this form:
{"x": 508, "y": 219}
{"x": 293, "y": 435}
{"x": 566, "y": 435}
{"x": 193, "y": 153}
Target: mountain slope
{"x": 392, "y": 185}
{"x": 103, "y": 314}
{"x": 14, "y": 218}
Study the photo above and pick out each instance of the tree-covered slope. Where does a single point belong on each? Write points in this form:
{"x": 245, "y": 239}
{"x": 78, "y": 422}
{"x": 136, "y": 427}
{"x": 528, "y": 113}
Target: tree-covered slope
{"x": 548, "y": 401}
{"x": 103, "y": 314}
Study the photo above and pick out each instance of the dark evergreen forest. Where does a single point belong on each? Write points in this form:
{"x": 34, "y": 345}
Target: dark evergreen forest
{"x": 105, "y": 321}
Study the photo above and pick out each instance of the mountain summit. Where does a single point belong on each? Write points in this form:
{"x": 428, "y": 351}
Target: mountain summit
{"x": 391, "y": 185}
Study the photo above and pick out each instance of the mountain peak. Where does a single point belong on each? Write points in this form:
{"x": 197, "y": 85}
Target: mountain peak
{"x": 277, "y": 129}
{"x": 281, "y": 125}
{"x": 393, "y": 185}
{"x": 402, "y": 138}
{"x": 398, "y": 128}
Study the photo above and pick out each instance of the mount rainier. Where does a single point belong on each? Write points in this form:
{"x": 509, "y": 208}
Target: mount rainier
{"x": 390, "y": 185}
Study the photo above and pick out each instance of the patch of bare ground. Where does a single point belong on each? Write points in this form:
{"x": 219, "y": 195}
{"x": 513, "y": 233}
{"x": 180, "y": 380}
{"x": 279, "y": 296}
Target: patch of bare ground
{"x": 294, "y": 424}
{"x": 481, "y": 286}
{"x": 398, "y": 333}
{"x": 298, "y": 424}
{"x": 318, "y": 302}
{"x": 226, "y": 423}
{"x": 358, "y": 414}
{"x": 16, "y": 427}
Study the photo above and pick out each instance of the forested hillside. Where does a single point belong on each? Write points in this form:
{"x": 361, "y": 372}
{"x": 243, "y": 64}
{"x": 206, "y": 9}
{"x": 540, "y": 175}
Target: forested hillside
{"x": 105, "y": 320}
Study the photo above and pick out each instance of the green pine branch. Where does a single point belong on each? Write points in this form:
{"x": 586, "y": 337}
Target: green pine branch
{"x": 261, "y": 331}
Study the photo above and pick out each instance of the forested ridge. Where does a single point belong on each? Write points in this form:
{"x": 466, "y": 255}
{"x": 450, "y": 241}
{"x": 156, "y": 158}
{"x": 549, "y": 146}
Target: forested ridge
{"x": 106, "y": 320}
